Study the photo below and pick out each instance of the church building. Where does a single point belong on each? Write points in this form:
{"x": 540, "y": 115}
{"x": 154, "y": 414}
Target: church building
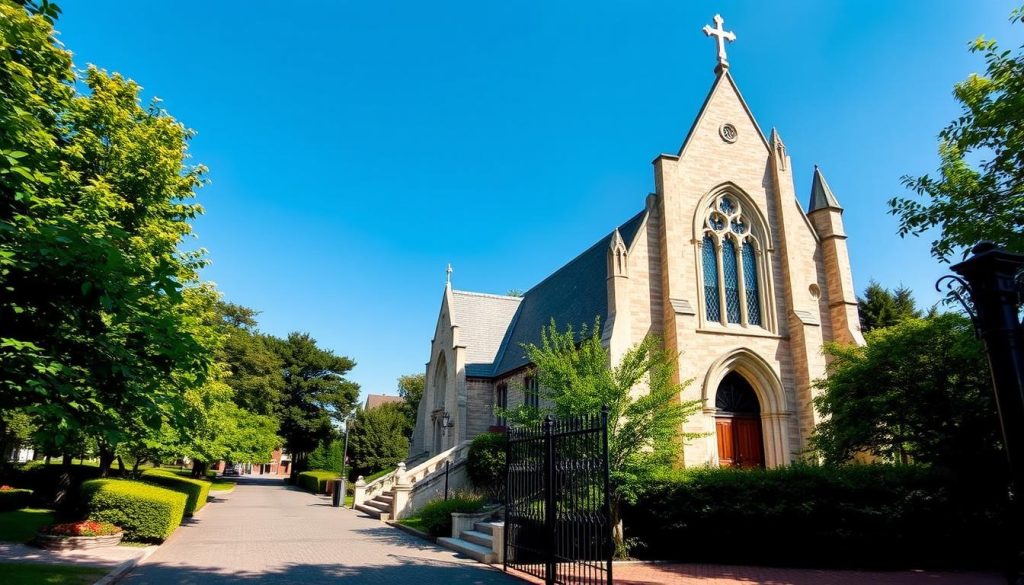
{"x": 722, "y": 262}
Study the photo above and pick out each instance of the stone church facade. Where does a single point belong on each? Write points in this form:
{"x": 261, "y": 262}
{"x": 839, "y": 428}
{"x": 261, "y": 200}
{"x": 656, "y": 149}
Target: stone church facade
{"x": 722, "y": 263}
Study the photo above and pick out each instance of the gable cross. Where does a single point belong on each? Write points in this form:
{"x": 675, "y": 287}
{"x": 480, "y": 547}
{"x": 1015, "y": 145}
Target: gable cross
{"x": 448, "y": 276}
{"x": 721, "y": 35}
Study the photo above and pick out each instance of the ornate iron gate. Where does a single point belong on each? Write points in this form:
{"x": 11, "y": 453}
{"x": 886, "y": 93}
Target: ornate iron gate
{"x": 557, "y": 511}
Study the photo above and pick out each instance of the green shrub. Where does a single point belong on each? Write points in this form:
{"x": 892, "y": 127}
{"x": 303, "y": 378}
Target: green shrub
{"x": 875, "y": 516}
{"x": 14, "y": 499}
{"x": 45, "y": 481}
{"x": 316, "y": 480}
{"x": 197, "y": 490}
{"x": 436, "y": 516}
{"x": 147, "y": 513}
{"x": 486, "y": 464}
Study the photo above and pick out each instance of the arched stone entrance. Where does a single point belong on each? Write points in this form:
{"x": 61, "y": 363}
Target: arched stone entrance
{"x": 773, "y": 414}
{"x": 738, "y": 423}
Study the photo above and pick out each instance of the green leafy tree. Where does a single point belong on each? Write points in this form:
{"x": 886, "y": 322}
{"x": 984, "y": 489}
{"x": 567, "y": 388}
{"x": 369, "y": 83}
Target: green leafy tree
{"x": 410, "y": 388}
{"x": 576, "y": 378}
{"x": 256, "y": 370}
{"x": 16, "y": 430}
{"x": 327, "y": 456}
{"x": 378, "y": 438}
{"x": 316, "y": 393}
{"x": 918, "y": 391}
{"x": 880, "y": 307}
{"x": 95, "y": 198}
{"x": 970, "y": 203}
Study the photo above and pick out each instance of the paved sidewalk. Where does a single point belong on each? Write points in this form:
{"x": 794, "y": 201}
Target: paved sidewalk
{"x": 97, "y": 557}
{"x": 681, "y": 574}
{"x": 265, "y": 532}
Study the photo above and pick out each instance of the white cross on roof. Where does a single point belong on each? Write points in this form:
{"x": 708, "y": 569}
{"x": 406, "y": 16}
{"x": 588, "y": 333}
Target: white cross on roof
{"x": 721, "y": 35}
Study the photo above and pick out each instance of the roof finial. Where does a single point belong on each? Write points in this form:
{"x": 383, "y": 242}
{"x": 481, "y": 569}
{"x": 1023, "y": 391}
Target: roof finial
{"x": 448, "y": 276}
{"x": 721, "y": 35}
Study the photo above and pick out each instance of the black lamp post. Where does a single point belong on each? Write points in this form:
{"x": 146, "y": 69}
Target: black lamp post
{"x": 991, "y": 279}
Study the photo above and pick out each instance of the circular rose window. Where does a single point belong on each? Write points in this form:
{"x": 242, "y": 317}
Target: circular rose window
{"x": 728, "y": 132}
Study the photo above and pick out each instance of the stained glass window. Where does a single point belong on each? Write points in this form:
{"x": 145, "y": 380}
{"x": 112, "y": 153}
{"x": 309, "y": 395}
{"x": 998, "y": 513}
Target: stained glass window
{"x": 750, "y": 285}
{"x": 711, "y": 303}
{"x": 727, "y": 222}
{"x": 732, "y": 285}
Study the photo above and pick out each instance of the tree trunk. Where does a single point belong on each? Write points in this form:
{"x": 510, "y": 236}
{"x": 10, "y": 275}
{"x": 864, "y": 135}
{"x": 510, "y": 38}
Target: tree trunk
{"x": 199, "y": 469}
{"x": 138, "y": 462}
{"x": 120, "y": 465}
{"x": 106, "y": 459}
{"x": 47, "y": 459}
{"x": 63, "y": 488}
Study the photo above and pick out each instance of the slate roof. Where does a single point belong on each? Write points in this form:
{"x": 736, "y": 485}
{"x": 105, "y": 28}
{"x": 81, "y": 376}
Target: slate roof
{"x": 575, "y": 294}
{"x": 375, "y": 400}
{"x": 483, "y": 320}
{"x": 821, "y": 193}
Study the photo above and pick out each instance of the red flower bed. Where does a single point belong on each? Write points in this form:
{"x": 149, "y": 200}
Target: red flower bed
{"x": 6, "y": 488}
{"x": 83, "y": 528}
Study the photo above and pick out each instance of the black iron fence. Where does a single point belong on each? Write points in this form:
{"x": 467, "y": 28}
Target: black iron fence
{"x": 557, "y": 510}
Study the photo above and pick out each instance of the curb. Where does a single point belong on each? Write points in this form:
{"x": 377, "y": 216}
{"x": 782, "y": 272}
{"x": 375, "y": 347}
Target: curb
{"x": 121, "y": 570}
{"x": 412, "y": 531}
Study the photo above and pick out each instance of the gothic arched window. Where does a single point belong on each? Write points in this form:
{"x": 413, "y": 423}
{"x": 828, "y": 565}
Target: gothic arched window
{"x": 730, "y": 254}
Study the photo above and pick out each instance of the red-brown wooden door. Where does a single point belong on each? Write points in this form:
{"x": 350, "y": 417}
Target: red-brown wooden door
{"x": 739, "y": 442}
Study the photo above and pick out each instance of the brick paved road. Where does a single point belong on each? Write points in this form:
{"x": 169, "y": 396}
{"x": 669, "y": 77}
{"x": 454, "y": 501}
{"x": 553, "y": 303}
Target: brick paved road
{"x": 267, "y": 533}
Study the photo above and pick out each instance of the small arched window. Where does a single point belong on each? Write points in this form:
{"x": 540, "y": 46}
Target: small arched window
{"x": 730, "y": 257}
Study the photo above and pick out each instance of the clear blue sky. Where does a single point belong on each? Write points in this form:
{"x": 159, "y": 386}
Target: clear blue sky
{"x": 355, "y": 148}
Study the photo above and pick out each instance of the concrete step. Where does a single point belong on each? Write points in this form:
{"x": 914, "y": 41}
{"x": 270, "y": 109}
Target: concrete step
{"x": 479, "y": 553}
{"x": 486, "y": 527}
{"x": 385, "y": 498}
{"x": 371, "y": 512}
{"x": 482, "y": 538}
{"x": 380, "y": 506}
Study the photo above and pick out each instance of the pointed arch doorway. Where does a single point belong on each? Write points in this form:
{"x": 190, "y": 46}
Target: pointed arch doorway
{"x": 738, "y": 423}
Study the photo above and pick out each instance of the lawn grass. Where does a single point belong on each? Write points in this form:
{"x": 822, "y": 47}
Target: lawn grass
{"x": 349, "y": 500}
{"x": 222, "y": 485}
{"x": 414, "y": 522}
{"x": 21, "y": 525}
{"x": 33, "y": 574}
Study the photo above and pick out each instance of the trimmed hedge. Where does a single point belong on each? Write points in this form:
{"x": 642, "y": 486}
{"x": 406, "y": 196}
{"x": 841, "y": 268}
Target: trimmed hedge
{"x": 147, "y": 513}
{"x": 436, "y": 516}
{"x": 197, "y": 490}
{"x": 14, "y": 499}
{"x": 45, "y": 481}
{"x": 316, "y": 480}
{"x": 859, "y": 516}
{"x": 485, "y": 464}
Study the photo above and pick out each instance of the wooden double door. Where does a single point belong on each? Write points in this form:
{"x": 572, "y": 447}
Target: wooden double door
{"x": 740, "y": 443}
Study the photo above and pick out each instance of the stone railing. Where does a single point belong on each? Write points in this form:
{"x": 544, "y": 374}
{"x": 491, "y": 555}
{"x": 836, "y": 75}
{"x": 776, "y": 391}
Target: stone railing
{"x": 383, "y": 484}
{"x": 416, "y": 485}
{"x": 406, "y": 484}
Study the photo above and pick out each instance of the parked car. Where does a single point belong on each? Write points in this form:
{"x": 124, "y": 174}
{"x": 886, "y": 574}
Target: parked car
{"x": 232, "y": 471}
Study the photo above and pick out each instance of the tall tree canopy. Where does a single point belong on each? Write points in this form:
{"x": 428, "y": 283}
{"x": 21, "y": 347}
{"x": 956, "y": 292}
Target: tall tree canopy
{"x": 256, "y": 370}
{"x": 968, "y": 202}
{"x": 880, "y": 307}
{"x": 378, "y": 438}
{"x": 95, "y": 198}
{"x": 410, "y": 388}
{"x": 919, "y": 390}
{"x": 315, "y": 394}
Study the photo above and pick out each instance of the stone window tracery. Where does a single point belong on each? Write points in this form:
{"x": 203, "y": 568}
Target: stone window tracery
{"x": 731, "y": 258}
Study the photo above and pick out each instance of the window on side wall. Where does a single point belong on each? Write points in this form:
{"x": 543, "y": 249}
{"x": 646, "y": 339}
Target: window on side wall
{"x": 532, "y": 392}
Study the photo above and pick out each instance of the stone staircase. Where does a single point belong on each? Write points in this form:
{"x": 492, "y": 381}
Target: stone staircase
{"x": 476, "y": 543}
{"x": 379, "y": 507}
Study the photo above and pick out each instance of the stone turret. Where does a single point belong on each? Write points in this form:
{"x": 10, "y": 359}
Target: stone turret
{"x": 826, "y": 216}
{"x": 617, "y": 327}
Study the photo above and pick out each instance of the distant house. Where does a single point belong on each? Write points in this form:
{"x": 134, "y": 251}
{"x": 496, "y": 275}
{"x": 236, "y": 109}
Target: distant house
{"x": 375, "y": 400}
